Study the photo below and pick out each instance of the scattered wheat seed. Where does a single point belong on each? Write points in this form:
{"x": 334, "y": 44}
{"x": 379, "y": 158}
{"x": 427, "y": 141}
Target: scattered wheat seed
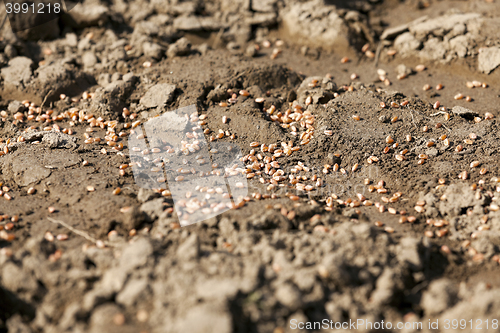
{"x": 420, "y": 68}
{"x": 442, "y": 232}
{"x": 475, "y": 164}
{"x": 62, "y": 237}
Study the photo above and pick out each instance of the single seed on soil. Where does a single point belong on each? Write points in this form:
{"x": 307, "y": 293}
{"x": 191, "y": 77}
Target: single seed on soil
{"x": 458, "y": 96}
{"x": 389, "y": 230}
{"x": 439, "y": 87}
{"x": 475, "y": 164}
{"x": 90, "y": 188}
{"x": 389, "y": 140}
{"x": 62, "y": 237}
{"x": 419, "y": 209}
{"x": 356, "y": 117}
{"x": 441, "y": 233}
{"x": 483, "y": 171}
{"x": 425, "y": 128}
{"x": 468, "y": 99}
{"x": 426, "y": 87}
{"x": 117, "y": 191}
{"x": 429, "y": 233}
{"x": 378, "y": 224}
{"x": 494, "y": 207}
{"x": 420, "y": 68}
{"x": 468, "y": 141}
{"x": 48, "y": 236}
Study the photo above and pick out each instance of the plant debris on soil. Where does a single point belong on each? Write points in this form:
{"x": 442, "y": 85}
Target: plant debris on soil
{"x": 249, "y": 166}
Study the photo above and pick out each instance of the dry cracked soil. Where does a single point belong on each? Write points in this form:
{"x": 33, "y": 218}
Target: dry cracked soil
{"x": 251, "y": 166}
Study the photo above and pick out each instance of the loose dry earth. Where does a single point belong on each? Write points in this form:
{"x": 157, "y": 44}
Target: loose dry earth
{"x": 369, "y": 133}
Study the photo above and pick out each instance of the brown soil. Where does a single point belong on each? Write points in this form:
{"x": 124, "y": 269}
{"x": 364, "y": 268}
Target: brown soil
{"x": 128, "y": 266}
